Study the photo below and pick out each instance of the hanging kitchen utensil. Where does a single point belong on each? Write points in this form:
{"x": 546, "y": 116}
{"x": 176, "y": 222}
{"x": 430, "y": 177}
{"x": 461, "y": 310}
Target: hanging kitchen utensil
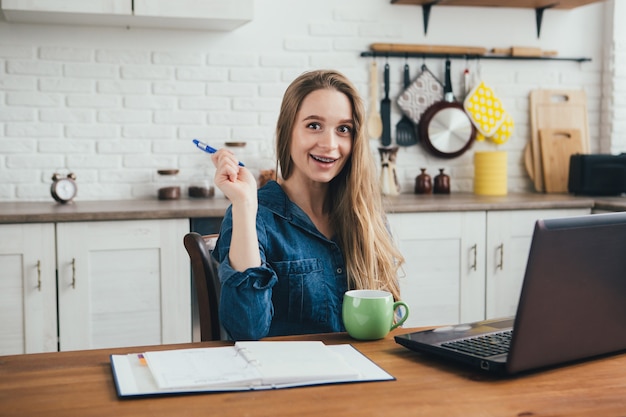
{"x": 406, "y": 133}
{"x": 385, "y": 111}
{"x": 374, "y": 122}
{"x": 485, "y": 109}
{"x": 423, "y": 92}
{"x": 504, "y": 132}
{"x": 467, "y": 81}
{"x": 444, "y": 128}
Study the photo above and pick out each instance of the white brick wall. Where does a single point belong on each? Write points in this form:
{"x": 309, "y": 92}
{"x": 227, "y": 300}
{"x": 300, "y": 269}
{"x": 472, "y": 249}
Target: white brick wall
{"x": 114, "y": 105}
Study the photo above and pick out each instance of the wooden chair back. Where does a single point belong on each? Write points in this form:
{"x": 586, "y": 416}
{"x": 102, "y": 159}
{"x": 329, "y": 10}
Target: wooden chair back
{"x": 206, "y": 282}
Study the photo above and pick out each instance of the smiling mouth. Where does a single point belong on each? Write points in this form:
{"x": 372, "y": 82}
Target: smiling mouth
{"x": 323, "y": 159}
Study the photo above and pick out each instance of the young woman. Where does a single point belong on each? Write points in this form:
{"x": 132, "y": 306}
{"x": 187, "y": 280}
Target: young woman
{"x": 289, "y": 252}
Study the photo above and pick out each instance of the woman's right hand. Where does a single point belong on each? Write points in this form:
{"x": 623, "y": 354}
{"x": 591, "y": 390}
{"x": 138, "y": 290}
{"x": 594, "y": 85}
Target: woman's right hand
{"x": 239, "y": 186}
{"x": 236, "y": 182}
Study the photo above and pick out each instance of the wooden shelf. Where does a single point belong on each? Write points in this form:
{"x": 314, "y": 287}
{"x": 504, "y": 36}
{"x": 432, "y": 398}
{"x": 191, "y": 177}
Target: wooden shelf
{"x": 526, "y": 4}
{"x": 539, "y": 5}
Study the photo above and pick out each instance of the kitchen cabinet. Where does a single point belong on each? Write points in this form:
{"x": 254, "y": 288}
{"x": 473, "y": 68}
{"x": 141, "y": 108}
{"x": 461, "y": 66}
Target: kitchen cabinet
{"x": 120, "y": 7}
{"x": 193, "y": 14}
{"x": 84, "y": 12}
{"x": 465, "y": 266}
{"x": 123, "y": 283}
{"x": 28, "y": 320}
{"x": 443, "y": 279}
{"x": 509, "y": 234}
{"x": 118, "y": 283}
{"x": 214, "y": 15}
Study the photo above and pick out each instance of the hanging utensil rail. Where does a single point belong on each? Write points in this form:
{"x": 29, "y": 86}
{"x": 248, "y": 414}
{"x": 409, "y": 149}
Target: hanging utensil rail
{"x": 392, "y": 54}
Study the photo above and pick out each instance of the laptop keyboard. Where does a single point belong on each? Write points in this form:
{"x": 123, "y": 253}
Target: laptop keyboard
{"x": 483, "y": 346}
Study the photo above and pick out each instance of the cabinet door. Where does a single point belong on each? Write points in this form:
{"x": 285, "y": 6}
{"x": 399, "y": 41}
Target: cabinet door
{"x": 508, "y": 243}
{"x": 193, "y": 14}
{"x": 28, "y": 320}
{"x": 444, "y": 273}
{"x": 203, "y": 9}
{"x": 123, "y": 283}
{"x": 70, "y": 6}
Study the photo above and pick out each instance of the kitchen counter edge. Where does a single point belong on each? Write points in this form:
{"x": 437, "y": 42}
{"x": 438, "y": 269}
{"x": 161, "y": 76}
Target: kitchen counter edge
{"x": 42, "y": 212}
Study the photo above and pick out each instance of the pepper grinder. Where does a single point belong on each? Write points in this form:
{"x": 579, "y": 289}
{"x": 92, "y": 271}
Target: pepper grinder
{"x": 442, "y": 183}
{"x": 423, "y": 183}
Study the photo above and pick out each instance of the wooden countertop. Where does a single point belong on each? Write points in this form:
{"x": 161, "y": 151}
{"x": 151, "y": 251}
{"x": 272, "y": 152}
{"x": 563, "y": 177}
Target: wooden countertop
{"x": 610, "y": 203}
{"x": 80, "y": 383}
{"x": 408, "y": 203}
{"x": 41, "y": 212}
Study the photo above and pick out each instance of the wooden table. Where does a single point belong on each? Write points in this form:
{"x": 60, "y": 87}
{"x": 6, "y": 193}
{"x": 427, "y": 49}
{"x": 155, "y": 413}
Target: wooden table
{"x": 80, "y": 383}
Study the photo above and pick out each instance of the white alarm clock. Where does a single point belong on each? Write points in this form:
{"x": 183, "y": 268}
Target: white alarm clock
{"x": 63, "y": 189}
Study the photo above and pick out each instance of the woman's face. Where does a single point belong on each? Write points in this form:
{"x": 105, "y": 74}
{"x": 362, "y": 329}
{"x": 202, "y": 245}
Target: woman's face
{"x": 321, "y": 140}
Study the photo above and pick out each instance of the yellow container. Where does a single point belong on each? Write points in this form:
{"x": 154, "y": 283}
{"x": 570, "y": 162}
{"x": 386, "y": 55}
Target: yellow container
{"x": 490, "y": 173}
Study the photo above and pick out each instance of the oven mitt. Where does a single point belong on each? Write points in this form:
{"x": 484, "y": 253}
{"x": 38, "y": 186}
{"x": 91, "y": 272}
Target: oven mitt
{"x": 424, "y": 91}
{"x": 503, "y": 133}
{"x": 485, "y": 109}
{"x": 505, "y": 130}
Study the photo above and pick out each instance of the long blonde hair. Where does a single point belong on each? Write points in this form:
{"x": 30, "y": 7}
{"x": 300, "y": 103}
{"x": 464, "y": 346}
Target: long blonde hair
{"x": 354, "y": 200}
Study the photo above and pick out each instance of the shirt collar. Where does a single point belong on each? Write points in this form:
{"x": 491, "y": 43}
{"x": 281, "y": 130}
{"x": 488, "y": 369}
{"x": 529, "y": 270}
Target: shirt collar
{"x": 273, "y": 197}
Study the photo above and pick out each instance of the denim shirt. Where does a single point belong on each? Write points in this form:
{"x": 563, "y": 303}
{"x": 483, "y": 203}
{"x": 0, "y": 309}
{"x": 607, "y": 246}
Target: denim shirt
{"x": 300, "y": 284}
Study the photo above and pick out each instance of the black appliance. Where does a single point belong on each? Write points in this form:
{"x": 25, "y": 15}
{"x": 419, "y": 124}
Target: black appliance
{"x": 597, "y": 174}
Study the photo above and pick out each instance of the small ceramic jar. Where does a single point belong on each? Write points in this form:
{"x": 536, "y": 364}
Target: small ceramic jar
{"x": 423, "y": 183}
{"x": 442, "y": 183}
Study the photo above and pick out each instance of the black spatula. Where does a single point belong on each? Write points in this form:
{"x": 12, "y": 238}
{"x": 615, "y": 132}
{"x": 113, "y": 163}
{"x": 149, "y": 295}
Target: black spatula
{"x": 385, "y": 112}
{"x": 406, "y": 132}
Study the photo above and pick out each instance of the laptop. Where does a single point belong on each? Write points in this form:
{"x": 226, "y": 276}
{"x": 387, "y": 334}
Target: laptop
{"x": 572, "y": 304}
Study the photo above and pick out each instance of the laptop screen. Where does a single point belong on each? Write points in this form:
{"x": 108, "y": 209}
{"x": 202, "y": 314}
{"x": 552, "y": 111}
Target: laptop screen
{"x": 573, "y": 300}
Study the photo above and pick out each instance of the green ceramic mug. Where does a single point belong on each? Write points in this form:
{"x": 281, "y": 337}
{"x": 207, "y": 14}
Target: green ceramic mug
{"x": 368, "y": 314}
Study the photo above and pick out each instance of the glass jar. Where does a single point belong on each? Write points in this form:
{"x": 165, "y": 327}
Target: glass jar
{"x": 168, "y": 185}
{"x": 201, "y": 187}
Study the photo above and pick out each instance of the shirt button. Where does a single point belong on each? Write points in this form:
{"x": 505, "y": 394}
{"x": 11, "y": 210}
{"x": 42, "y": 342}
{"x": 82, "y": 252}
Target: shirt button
{"x": 339, "y": 270}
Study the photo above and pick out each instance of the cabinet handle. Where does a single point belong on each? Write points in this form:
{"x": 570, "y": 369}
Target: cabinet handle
{"x": 475, "y": 250}
{"x": 73, "y": 272}
{"x": 500, "y": 265}
{"x": 39, "y": 275}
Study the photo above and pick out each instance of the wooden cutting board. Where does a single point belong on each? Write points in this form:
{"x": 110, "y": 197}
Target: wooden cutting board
{"x": 556, "y": 109}
{"x": 528, "y": 161}
{"x": 557, "y": 145}
{"x": 523, "y": 51}
{"x": 427, "y": 49}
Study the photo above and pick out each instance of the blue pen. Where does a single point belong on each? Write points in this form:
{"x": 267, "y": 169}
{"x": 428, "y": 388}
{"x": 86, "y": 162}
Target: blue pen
{"x": 208, "y": 149}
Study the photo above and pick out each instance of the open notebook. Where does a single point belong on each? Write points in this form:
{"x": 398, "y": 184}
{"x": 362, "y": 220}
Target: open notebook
{"x": 244, "y": 366}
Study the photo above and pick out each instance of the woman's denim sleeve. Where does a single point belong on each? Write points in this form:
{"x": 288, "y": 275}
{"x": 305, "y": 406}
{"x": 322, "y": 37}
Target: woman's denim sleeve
{"x": 246, "y": 309}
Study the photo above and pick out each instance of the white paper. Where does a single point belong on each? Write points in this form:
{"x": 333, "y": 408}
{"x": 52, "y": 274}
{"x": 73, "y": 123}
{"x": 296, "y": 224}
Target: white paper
{"x": 290, "y": 362}
{"x": 134, "y": 378}
{"x": 201, "y": 367}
